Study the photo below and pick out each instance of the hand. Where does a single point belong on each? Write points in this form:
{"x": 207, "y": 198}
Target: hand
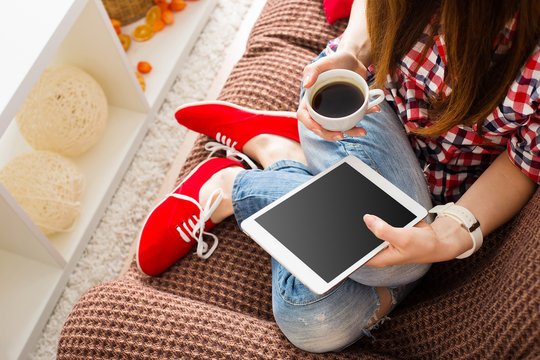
{"x": 424, "y": 243}
{"x": 338, "y": 60}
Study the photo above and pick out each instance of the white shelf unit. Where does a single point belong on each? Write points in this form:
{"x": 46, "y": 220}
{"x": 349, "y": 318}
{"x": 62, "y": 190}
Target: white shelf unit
{"x": 167, "y": 49}
{"x": 34, "y": 268}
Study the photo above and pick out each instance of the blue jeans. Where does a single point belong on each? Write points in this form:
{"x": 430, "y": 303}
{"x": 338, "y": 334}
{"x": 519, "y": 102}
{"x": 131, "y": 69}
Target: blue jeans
{"x": 330, "y": 322}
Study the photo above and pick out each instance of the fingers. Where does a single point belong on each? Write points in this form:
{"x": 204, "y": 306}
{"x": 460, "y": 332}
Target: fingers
{"x": 312, "y": 71}
{"x": 356, "y": 132}
{"x": 373, "y": 109}
{"x": 411, "y": 245}
{"x": 339, "y": 60}
{"x": 303, "y": 116}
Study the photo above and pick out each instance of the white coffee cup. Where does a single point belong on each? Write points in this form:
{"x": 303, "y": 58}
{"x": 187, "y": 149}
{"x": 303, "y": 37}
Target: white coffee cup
{"x": 343, "y": 76}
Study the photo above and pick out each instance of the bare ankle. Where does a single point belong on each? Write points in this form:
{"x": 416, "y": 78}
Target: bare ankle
{"x": 224, "y": 180}
{"x": 266, "y": 149}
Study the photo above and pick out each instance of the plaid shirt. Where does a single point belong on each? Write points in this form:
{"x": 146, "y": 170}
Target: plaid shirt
{"x": 454, "y": 160}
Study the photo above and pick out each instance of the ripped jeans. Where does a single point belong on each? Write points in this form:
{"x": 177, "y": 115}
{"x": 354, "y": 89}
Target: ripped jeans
{"x": 335, "y": 320}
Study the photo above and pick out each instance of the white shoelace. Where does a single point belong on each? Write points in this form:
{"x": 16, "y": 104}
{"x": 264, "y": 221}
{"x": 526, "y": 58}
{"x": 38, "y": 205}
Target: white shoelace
{"x": 231, "y": 152}
{"x": 197, "y": 223}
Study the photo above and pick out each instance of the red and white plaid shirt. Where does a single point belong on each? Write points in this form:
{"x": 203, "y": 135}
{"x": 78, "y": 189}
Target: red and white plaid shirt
{"x": 454, "y": 160}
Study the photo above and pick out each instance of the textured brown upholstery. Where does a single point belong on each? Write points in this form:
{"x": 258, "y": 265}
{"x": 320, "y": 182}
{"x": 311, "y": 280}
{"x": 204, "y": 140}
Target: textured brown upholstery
{"x": 483, "y": 307}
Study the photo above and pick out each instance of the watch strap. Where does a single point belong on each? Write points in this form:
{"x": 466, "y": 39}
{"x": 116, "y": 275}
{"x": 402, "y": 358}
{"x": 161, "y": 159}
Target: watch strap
{"x": 467, "y": 220}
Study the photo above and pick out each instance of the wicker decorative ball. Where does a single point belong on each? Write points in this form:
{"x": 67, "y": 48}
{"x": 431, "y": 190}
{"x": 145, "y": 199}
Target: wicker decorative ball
{"x": 47, "y": 186}
{"x": 66, "y": 112}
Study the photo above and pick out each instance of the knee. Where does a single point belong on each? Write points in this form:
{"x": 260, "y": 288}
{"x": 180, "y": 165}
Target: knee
{"x": 313, "y": 333}
{"x": 320, "y": 324}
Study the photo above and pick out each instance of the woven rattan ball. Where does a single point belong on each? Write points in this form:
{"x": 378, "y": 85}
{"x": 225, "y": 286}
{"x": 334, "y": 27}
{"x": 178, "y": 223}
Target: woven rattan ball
{"x": 66, "y": 112}
{"x": 48, "y": 186}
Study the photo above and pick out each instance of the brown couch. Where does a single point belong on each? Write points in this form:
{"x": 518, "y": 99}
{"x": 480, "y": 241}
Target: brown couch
{"x": 483, "y": 307}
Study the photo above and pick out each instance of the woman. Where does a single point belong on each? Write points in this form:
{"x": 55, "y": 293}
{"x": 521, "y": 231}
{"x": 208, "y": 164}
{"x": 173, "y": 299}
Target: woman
{"x": 461, "y": 124}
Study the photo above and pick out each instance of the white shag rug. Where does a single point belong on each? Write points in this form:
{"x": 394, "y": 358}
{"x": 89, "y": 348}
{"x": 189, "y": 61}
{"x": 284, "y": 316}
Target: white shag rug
{"x": 106, "y": 252}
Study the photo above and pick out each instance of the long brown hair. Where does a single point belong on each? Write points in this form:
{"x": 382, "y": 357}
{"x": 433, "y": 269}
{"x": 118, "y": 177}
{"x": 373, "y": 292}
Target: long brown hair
{"x": 470, "y": 29}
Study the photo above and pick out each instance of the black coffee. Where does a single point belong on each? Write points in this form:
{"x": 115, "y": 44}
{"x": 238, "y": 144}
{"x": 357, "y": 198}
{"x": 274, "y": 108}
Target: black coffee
{"x": 337, "y": 100}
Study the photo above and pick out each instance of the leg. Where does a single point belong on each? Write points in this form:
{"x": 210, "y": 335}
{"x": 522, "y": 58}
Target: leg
{"x": 316, "y": 323}
{"x": 333, "y": 321}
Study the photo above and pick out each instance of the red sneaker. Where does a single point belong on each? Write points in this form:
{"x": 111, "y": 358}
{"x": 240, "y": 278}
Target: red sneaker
{"x": 178, "y": 222}
{"x": 234, "y": 125}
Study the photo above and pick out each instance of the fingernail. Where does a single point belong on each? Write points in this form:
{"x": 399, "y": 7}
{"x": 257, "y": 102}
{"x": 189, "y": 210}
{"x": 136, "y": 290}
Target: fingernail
{"x": 371, "y": 220}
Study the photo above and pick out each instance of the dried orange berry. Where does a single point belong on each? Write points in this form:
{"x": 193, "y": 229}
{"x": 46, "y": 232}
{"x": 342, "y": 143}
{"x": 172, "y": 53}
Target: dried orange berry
{"x": 163, "y": 6}
{"x": 125, "y": 40}
{"x": 178, "y": 5}
{"x": 168, "y": 17}
{"x": 153, "y": 15}
{"x": 143, "y": 32}
{"x": 144, "y": 67}
{"x": 141, "y": 81}
{"x": 158, "y": 25}
{"x": 116, "y": 25}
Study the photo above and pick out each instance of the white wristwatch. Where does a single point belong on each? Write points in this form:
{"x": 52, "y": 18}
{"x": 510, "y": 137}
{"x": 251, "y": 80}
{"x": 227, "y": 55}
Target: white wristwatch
{"x": 467, "y": 220}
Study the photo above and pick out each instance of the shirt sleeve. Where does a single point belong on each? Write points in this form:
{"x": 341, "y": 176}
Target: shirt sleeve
{"x": 524, "y": 147}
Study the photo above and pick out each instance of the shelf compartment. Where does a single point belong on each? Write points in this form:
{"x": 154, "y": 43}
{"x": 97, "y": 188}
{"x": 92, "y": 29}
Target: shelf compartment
{"x": 102, "y": 167}
{"x": 26, "y": 53}
{"x": 29, "y": 285}
{"x": 166, "y": 50}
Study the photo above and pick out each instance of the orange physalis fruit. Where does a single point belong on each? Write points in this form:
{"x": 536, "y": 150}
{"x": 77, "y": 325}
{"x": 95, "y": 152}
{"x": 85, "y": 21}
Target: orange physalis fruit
{"x": 158, "y": 25}
{"x": 153, "y": 15}
{"x": 125, "y": 40}
{"x": 143, "y": 32}
{"x": 163, "y": 6}
{"x": 168, "y": 17}
{"x": 141, "y": 81}
{"x": 116, "y": 25}
{"x": 178, "y": 5}
{"x": 144, "y": 67}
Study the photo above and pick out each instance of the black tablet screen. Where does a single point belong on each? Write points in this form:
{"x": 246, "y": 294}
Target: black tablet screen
{"x": 322, "y": 223}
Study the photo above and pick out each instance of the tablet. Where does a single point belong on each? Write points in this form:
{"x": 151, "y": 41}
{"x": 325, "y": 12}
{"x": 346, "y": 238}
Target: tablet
{"x": 317, "y": 232}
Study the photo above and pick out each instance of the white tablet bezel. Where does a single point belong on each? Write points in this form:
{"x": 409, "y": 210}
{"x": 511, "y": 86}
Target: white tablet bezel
{"x": 296, "y": 266}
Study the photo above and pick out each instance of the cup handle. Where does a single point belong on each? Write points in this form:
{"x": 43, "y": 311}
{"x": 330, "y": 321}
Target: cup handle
{"x": 378, "y": 95}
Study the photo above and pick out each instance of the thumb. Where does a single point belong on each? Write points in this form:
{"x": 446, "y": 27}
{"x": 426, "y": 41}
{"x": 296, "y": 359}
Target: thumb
{"x": 313, "y": 70}
{"x": 381, "y": 229}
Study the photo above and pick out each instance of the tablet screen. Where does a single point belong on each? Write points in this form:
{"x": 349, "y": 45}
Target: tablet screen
{"x": 322, "y": 223}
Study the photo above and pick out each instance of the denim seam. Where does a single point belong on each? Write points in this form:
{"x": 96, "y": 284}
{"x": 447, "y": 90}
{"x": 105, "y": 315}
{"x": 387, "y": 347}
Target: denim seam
{"x": 284, "y": 164}
{"x": 360, "y": 146}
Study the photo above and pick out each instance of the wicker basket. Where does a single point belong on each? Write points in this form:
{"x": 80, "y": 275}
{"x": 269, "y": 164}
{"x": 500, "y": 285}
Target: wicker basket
{"x": 127, "y": 11}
